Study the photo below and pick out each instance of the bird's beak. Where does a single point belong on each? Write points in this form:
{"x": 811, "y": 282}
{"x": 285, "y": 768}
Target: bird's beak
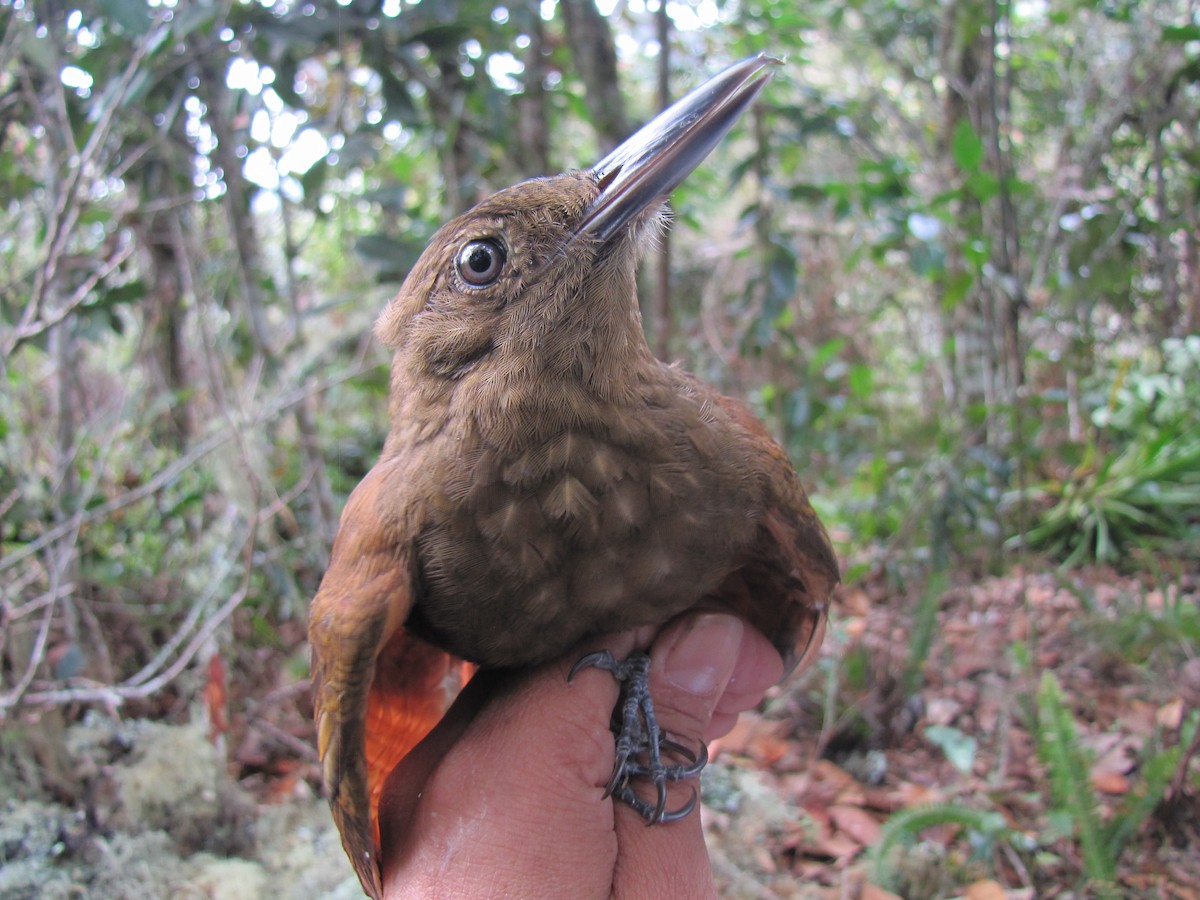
{"x": 653, "y": 162}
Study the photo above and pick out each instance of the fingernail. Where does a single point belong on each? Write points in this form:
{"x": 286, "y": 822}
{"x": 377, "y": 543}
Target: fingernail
{"x": 703, "y": 658}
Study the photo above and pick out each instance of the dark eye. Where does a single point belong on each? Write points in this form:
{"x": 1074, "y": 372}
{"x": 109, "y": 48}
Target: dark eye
{"x": 480, "y": 262}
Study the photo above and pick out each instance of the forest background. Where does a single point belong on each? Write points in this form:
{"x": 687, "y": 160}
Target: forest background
{"x": 952, "y": 258}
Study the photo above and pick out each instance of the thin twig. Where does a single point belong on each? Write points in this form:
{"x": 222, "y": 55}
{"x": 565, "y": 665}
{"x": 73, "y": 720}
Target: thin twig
{"x": 36, "y": 655}
{"x": 49, "y": 319}
{"x": 152, "y": 667}
{"x": 301, "y": 748}
{"x": 49, "y": 598}
{"x": 38, "y": 652}
{"x": 170, "y": 472}
{"x": 115, "y": 695}
{"x": 61, "y": 223}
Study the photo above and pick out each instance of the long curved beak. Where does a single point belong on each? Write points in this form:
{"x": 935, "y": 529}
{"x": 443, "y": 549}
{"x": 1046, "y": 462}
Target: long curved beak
{"x": 653, "y": 162}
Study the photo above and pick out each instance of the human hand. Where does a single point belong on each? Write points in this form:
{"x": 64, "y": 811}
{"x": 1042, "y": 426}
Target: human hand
{"x": 504, "y": 798}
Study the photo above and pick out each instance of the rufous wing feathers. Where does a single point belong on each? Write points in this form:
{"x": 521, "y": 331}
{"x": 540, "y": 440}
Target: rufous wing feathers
{"x": 377, "y": 689}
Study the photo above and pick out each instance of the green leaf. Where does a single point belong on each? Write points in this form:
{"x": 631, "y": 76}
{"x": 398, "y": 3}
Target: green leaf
{"x": 393, "y": 256}
{"x": 956, "y": 289}
{"x": 392, "y": 197}
{"x": 903, "y": 827}
{"x": 976, "y": 251}
{"x": 130, "y": 16}
{"x": 1137, "y": 807}
{"x": 825, "y": 353}
{"x": 1181, "y": 34}
{"x": 924, "y": 626}
{"x": 313, "y": 181}
{"x": 958, "y": 747}
{"x": 862, "y": 381}
{"x": 967, "y": 147}
{"x": 1067, "y": 766}
{"x": 808, "y": 193}
{"x": 781, "y": 278}
{"x": 983, "y": 186}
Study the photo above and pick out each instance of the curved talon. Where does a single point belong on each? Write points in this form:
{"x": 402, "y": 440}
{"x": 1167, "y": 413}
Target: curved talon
{"x": 695, "y": 764}
{"x": 601, "y": 659}
{"x": 640, "y": 742}
{"x": 683, "y": 812}
{"x": 696, "y": 761}
{"x": 678, "y": 748}
{"x": 660, "y": 808}
{"x": 654, "y": 815}
{"x": 626, "y": 795}
{"x": 622, "y": 770}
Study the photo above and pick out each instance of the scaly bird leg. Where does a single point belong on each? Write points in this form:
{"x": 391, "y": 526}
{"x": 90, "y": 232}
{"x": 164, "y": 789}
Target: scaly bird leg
{"x": 640, "y": 741}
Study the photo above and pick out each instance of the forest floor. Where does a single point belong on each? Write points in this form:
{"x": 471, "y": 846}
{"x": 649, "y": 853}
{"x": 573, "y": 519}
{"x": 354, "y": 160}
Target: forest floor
{"x": 933, "y": 790}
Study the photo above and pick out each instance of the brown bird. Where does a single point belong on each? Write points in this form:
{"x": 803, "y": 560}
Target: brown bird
{"x": 546, "y": 479}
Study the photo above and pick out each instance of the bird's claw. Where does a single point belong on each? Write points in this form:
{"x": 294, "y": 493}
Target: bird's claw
{"x": 679, "y": 772}
{"x": 640, "y": 742}
{"x": 657, "y": 813}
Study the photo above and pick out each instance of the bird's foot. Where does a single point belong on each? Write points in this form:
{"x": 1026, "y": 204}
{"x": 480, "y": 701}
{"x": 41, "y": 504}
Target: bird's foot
{"x": 640, "y": 741}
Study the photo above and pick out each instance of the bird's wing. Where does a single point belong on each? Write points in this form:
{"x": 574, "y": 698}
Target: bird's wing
{"x": 377, "y": 689}
{"x": 784, "y": 583}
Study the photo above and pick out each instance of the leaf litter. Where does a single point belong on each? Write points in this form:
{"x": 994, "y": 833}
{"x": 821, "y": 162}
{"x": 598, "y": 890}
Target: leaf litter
{"x": 221, "y": 799}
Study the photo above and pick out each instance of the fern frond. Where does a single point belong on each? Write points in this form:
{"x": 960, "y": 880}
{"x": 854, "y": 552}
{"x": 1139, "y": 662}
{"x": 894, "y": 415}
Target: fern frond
{"x": 905, "y": 825}
{"x": 1067, "y": 768}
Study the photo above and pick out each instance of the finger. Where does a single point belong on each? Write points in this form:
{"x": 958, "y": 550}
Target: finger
{"x": 692, "y": 662}
{"x": 759, "y": 667}
{"x": 505, "y": 797}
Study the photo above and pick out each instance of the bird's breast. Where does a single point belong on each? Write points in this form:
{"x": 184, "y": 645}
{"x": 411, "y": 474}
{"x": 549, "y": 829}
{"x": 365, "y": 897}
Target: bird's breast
{"x": 619, "y": 521}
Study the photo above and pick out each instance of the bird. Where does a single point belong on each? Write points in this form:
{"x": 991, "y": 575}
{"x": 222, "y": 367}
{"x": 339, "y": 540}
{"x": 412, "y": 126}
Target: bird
{"x": 546, "y": 479}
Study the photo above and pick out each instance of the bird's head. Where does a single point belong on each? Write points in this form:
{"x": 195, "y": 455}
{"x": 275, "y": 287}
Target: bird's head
{"x": 539, "y": 280}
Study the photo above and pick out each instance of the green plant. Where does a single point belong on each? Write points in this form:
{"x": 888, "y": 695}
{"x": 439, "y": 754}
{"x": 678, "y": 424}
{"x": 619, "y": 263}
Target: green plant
{"x": 1148, "y": 492}
{"x": 1160, "y": 393}
{"x": 1139, "y": 805}
{"x": 986, "y": 829}
{"x": 1101, "y": 843}
{"x": 1145, "y": 636}
{"x": 1067, "y": 767}
{"x": 1145, "y": 491}
{"x": 924, "y": 626}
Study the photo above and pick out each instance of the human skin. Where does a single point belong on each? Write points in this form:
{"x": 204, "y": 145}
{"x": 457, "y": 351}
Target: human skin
{"x": 504, "y": 798}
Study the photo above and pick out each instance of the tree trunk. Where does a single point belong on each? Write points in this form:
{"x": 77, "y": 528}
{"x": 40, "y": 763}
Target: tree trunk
{"x": 533, "y": 132}
{"x": 595, "y": 56}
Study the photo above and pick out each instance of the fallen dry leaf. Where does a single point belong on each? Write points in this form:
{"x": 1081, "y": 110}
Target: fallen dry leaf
{"x": 874, "y": 892}
{"x": 216, "y": 698}
{"x": 910, "y": 793}
{"x": 835, "y": 846}
{"x": 1108, "y": 782}
{"x": 1115, "y": 754}
{"x": 762, "y": 740}
{"x": 855, "y": 602}
{"x": 856, "y": 822}
{"x": 985, "y": 890}
{"x": 1170, "y": 715}
{"x": 942, "y": 711}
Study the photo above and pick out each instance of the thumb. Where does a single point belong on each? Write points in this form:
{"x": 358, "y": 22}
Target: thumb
{"x": 705, "y": 669}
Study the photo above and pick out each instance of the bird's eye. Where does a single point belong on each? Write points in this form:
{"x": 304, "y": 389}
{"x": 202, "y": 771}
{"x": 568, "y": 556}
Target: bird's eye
{"x": 480, "y": 262}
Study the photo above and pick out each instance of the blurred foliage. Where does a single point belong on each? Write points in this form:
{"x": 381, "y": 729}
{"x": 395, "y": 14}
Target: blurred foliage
{"x": 1138, "y": 482}
{"x": 1067, "y": 767}
{"x": 894, "y": 865}
{"x": 1073, "y": 812}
